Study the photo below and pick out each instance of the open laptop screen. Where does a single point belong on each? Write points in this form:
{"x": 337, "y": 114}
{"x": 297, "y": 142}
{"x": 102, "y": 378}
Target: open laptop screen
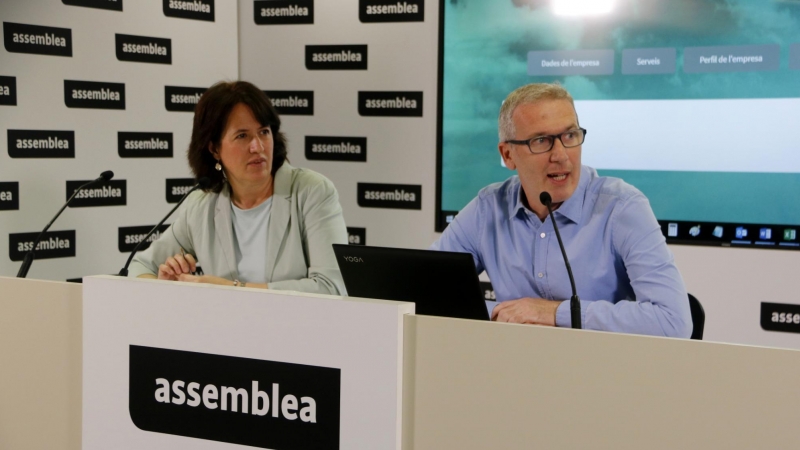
{"x": 440, "y": 283}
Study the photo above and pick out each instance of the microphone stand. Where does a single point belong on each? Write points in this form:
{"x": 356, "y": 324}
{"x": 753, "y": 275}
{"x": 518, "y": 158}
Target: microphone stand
{"x": 203, "y": 182}
{"x": 574, "y": 301}
{"x": 29, "y": 257}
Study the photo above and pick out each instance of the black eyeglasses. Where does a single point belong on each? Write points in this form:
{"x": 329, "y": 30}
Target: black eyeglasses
{"x": 543, "y": 144}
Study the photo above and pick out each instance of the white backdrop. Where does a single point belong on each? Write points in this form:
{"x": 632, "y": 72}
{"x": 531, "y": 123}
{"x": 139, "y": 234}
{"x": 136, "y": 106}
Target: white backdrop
{"x": 402, "y": 56}
{"x": 203, "y": 52}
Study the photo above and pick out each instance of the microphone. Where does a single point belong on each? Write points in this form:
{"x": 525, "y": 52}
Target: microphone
{"x": 28, "y": 260}
{"x": 202, "y": 182}
{"x": 575, "y": 301}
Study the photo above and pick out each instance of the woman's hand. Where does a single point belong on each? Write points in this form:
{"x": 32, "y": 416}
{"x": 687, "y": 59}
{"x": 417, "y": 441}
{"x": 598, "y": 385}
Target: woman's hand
{"x": 175, "y": 266}
{"x": 209, "y": 279}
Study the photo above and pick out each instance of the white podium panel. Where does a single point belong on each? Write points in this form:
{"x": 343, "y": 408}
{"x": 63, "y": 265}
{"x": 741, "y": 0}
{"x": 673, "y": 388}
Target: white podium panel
{"x": 177, "y": 365}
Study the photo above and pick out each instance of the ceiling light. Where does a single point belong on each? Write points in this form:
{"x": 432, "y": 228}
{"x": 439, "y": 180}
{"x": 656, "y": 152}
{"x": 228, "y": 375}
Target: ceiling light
{"x": 578, "y": 8}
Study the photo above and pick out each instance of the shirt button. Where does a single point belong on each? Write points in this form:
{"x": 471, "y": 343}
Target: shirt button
{"x": 542, "y": 235}
{"x": 541, "y": 274}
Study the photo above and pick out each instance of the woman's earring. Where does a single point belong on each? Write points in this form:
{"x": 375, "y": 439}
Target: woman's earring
{"x": 218, "y": 166}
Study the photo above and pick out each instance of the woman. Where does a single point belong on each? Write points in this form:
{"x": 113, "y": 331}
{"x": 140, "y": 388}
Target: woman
{"x": 262, "y": 223}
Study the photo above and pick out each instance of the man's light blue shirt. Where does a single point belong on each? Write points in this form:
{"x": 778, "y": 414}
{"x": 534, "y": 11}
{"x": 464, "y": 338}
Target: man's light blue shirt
{"x": 613, "y": 242}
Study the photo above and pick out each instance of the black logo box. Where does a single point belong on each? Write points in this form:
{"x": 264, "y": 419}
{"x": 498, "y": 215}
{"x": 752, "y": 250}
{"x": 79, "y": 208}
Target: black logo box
{"x": 112, "y": 5}
{"x": 394, "y": 196}
{"x": 129, "y": 237}
{"x": 283, "y": 12}
{"x": 182, "y": 99}
{"x": 371, "y": 11}
{"x": 190, "y": 9}
{"x": 9, "y": 196}
{"x": 357, "y": 236}
{"x": 336, "y": 57}
{"x": 41, "y": 143}
{"x": 153, "y": 43}
{"x": 178, "y": 187}
{"x": 292, "y": 103}
{"x": 109, "y": 193}
{"x": 54, "y": 244}
{"x": 126, "y": 140}
{"x": 37, "y": 40}
{"x": 8, "y": 91}
{"x": 94, "y": 94}
{"x": 336, "y": 148}
{"x": 323, "y": 384}
{"x": 390, "y": 103}
{"x": 780, "y": 317}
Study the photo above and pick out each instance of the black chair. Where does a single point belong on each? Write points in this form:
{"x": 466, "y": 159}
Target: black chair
{"x": 698, "y": 317}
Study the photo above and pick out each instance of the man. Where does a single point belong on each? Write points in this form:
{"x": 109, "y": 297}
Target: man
{"x": 611, "y": 235}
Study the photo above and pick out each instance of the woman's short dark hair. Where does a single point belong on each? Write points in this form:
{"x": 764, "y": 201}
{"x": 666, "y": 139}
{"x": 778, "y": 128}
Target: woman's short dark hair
{"x": 211, "y": 116}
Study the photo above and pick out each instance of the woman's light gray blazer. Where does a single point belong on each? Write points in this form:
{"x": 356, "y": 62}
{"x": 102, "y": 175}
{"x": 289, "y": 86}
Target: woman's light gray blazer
{"x": 306, "y": 219}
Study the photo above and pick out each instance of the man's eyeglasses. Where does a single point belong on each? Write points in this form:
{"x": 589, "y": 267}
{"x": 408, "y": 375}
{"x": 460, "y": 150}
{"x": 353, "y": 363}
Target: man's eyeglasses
{"x": 543, "y": 144}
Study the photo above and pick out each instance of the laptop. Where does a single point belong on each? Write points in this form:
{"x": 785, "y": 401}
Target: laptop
{"x": 440, "y": 283}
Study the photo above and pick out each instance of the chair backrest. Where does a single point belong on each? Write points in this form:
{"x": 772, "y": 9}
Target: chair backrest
{"x": 698, "y": 317}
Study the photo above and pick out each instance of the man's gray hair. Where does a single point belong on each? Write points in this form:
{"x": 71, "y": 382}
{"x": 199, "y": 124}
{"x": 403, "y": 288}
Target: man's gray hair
{"x": 530, "y": 93}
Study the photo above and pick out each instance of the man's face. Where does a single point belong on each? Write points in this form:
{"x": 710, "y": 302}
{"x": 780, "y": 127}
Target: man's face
{"x": 557, "y": 171}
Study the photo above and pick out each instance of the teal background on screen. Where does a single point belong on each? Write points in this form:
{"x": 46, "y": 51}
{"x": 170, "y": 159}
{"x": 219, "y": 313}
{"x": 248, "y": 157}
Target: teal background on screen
{"x": 485, "y": 58}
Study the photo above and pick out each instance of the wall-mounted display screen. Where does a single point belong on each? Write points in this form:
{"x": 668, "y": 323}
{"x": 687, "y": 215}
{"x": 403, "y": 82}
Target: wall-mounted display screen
{"x": 694, "y": 102}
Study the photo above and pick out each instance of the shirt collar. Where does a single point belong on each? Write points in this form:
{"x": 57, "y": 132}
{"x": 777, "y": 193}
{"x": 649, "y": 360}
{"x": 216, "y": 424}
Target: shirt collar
{"x": 518, "y": 207}
{"x": 571, "y": 208}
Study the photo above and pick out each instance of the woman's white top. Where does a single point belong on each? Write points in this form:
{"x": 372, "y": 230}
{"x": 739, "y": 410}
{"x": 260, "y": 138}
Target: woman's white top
{"x": 250, "y": 241}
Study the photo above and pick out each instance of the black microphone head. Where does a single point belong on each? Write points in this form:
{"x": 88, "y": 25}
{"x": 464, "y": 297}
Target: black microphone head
{"x": 107, "y": 175}
{"x": 545, "y": 198}
{"x": 204, "y": 182}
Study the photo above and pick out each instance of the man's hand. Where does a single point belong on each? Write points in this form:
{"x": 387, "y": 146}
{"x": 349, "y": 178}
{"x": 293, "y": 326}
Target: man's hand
{"x": 527, "y": 310}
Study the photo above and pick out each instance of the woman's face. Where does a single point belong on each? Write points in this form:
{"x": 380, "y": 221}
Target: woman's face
{"x": 245, "y": 149}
